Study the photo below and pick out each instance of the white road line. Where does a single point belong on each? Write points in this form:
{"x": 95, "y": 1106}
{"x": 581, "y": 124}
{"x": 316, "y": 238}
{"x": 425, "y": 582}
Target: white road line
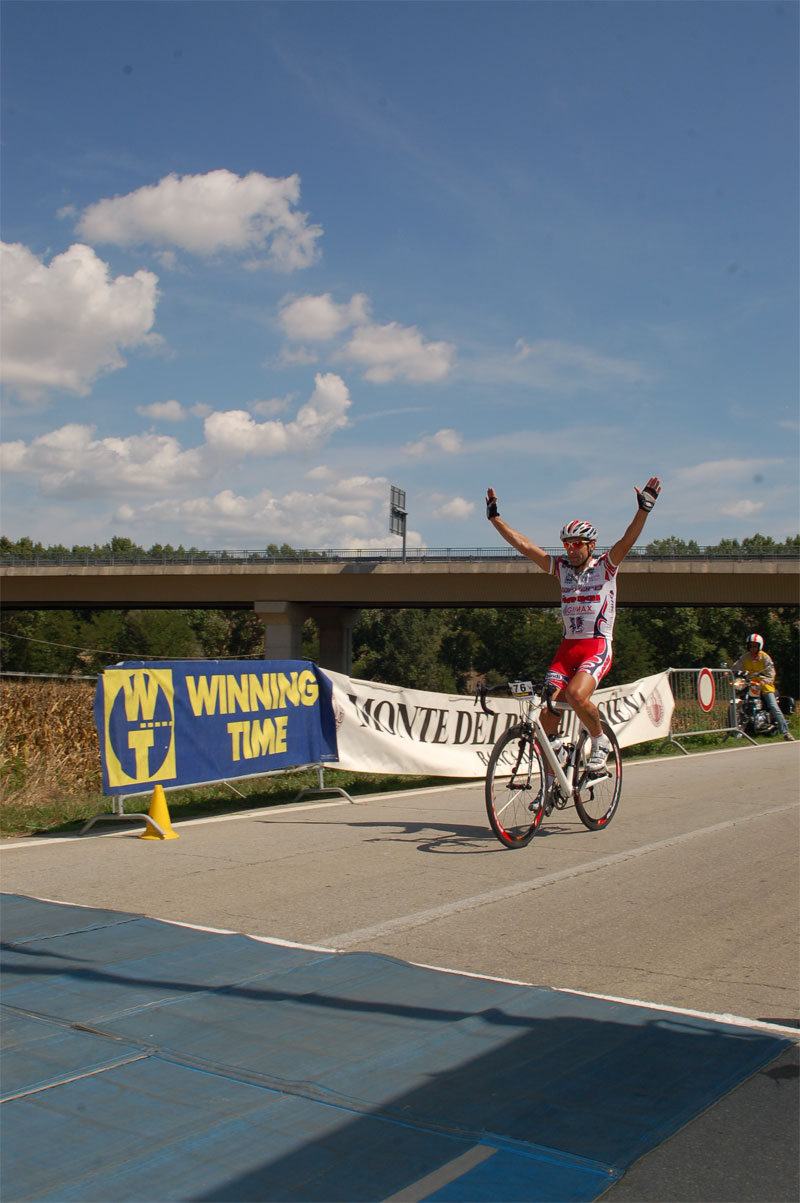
{"x": 727, "y": 1017}
{"x": 446, "y": 1174}
{"x": 344, "y": 940}
{"x": 48, "y": 839}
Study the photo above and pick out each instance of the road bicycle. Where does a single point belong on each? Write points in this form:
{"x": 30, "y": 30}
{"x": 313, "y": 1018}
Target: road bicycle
{"x": 528, "y": 775}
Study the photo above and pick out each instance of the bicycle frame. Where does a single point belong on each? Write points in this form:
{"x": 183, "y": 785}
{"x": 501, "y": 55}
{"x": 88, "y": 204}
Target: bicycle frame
{"x": 531, "y": 706}
{"x": 514, "y": 807}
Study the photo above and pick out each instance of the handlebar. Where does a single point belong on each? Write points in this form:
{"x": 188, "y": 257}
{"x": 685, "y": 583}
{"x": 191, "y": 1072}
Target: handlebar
{"x": 518, "y": 689}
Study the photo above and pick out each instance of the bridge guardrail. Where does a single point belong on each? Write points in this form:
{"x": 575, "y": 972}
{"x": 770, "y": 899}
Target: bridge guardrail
{"x": 338, "y": 555}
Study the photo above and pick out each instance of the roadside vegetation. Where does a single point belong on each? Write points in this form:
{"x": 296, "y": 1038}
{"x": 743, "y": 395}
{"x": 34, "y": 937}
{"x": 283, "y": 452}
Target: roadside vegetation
{"x": 50, "y": 766}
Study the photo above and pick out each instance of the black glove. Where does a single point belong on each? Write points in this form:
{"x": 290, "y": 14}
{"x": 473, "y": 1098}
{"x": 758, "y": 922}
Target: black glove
{"x": 491, "y": 508}
{"x": 647, "y": 497}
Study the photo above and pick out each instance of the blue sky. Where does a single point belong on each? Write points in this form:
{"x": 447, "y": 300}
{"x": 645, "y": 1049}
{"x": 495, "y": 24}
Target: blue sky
{"x": 264, "y": 260}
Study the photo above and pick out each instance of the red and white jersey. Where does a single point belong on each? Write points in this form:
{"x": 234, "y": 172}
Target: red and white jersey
{"x": 588, "y": 596}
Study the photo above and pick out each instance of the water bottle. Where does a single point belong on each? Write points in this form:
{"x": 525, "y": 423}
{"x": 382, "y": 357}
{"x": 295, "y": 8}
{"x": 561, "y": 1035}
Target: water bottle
{"x": 559, "y": 747}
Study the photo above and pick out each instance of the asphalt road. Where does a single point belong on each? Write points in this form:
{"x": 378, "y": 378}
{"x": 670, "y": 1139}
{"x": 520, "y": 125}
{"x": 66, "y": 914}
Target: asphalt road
{"x": 689, "y": 899}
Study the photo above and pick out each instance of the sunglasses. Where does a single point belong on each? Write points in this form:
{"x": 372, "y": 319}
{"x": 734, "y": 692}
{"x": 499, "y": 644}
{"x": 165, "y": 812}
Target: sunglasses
{"x": 573, "y": 544}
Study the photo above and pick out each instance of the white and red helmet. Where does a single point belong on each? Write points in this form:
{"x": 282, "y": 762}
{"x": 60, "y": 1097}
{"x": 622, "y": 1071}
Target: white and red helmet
{"x": 757, "y": 640}
{"x": 578, "y": 529}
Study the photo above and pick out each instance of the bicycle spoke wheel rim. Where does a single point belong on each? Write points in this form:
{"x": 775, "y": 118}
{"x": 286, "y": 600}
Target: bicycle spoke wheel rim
{"x": 597, "y": 798}
{"x": 513, "y": 788}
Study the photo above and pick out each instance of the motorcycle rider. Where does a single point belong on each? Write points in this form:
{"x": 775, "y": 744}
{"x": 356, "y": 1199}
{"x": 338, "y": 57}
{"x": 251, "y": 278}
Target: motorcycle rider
{"x": 757, "y": 664}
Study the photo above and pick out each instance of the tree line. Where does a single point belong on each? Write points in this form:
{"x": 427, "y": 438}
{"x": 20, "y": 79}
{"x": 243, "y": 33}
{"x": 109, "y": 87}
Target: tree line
{"x": 120, "y": 548}
{"x": 439, "y": 650}
{"x": 443, "y": 650}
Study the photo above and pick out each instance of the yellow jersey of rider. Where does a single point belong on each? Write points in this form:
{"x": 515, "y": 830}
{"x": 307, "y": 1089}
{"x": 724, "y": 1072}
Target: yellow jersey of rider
{"x": 758, "y": 664}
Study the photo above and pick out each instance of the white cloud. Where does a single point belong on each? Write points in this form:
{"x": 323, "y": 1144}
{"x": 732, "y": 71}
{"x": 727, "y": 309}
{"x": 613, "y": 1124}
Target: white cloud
{"x": 235, "y": 432}
{"x": 457, "y": 508}
{"x": 167, "y": 259}
{"x": 163, "y": 411}
{"x": 387, "y": 352}
{"x": 725, "y": 471}
{"x": 272, "y": 406}
{"x": 320, "y": 318}
{"x": 207, "y": 214}
{"x": 558, "y": 367}
{"x": 448, "y": 442}
{"x": 71, "y": 462}
{"x": 392, "y": 412}
{"x": 741, "y": 509}
{"x": 550, "y": 357}
{"x": 67, "y": 322}
{"x": 730, "y": 488}
{"x": 349, "y": 513}
{"x": 292, "y": 357}
{"x": 12, "y": 456}
{"x": 393, "y": 351}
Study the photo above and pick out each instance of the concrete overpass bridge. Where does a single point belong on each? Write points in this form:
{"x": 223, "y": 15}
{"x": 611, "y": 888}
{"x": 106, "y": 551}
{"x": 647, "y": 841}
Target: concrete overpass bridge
{"x": 332, "y": 587}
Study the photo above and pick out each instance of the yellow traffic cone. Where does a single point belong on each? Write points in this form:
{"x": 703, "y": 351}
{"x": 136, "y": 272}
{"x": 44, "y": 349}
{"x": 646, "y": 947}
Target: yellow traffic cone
{"x": 159, "y": 814}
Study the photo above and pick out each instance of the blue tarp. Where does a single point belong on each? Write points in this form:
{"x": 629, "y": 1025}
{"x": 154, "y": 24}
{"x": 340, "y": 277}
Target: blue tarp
{"x": 144, "y": 1060}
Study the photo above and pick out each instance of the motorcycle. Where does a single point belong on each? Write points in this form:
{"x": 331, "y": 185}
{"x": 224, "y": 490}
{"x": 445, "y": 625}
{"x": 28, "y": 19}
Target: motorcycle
{"x": 752, "y": 716}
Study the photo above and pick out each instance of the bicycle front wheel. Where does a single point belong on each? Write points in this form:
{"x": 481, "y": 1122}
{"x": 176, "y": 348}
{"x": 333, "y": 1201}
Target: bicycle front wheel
{"x": 514, "y": 796}
{"x": 597, "y": 798}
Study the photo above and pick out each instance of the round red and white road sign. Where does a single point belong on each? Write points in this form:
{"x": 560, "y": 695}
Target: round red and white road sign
{"x": 705, "y": 688}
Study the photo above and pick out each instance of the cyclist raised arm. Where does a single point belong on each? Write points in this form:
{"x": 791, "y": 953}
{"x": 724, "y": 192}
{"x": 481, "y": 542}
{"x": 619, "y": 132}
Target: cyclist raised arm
{"x": 588, "y": 606}
{"x": 519, "y": 542}
{"x": 646, "y": 498}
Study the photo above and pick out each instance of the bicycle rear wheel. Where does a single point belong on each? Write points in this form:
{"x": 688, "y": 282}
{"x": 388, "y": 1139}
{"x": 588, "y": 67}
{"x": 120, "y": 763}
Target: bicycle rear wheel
{"x": 597, "y": 798}
{"x": 514, "y": 801}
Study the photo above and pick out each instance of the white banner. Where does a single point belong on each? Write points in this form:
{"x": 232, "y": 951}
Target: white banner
{"x": 388, "y": 729}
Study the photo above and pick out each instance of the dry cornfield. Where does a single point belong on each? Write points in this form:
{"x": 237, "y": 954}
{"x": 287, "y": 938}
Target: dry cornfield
{"x": 48, "y": 739}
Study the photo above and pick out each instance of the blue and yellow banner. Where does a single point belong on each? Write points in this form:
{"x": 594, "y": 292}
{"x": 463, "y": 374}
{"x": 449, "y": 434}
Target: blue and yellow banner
{"x": 191, "y": 722}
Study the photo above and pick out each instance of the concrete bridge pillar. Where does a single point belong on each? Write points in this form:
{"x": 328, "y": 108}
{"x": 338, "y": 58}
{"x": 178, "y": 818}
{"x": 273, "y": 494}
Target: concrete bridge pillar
{"x": 283, "y": 629}
{"x": 336, "y": 636}
{"x": 283, "y": 632}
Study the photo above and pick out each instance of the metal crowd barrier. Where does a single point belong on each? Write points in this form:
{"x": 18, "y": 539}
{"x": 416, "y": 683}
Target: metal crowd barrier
{"x": 705, "y": 704}
{"x": 118, "y": 813}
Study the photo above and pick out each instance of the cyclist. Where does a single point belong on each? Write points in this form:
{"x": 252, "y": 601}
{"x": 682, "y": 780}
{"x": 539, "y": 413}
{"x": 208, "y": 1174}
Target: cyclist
{"x": 588, "y": 606}
{"x": 757, "y": 663}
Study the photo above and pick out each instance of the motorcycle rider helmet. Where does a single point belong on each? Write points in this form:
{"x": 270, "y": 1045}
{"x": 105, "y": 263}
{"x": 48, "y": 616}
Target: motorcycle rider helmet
{"x": 578, "y": 529}
{"x": 755, "y": 641}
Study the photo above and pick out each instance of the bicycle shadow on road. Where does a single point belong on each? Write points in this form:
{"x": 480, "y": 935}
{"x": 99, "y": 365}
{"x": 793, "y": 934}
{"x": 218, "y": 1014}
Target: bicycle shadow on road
{"x": 461, "y": 839}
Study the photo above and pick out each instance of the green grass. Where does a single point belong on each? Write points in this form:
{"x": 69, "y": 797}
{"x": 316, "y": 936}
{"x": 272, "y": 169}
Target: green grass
{"x": 66, "y": 812}
{"x": 704, "y": 743}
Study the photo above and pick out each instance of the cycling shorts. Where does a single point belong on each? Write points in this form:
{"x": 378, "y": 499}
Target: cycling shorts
{"x": 592, "y": 656}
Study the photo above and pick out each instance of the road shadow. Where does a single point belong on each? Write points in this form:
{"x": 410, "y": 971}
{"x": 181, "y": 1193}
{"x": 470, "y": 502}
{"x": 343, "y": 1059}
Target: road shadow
{"x": 458, "y": 839}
